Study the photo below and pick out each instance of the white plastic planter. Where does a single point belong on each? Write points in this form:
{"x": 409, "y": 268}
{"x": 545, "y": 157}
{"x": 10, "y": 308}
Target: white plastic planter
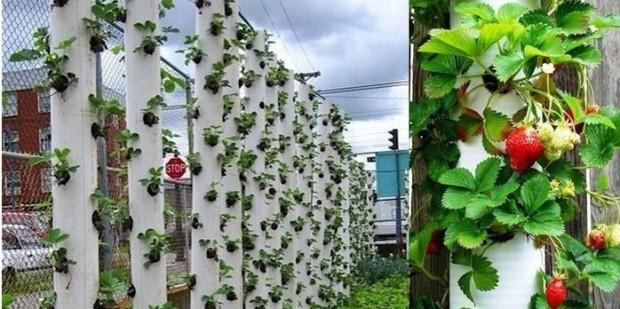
{"x": 517, "y": 261}
{"x": 211, "y": 109}
{"x": 143, "y": 83}
{"x": 71, "y": 117}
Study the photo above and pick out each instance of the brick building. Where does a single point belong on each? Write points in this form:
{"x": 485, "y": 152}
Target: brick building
{"x": 26, "y": 129}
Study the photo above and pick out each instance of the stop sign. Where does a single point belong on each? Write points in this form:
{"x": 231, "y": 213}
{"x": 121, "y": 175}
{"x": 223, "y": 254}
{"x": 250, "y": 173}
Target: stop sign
{"x": 175, "y": 168}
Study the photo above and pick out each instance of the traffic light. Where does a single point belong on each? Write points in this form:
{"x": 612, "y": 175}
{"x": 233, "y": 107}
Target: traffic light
{"x": 393, "y": 139}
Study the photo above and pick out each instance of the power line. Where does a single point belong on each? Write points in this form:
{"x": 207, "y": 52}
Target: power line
{"x": 276, "y": 30}
{"x": 364, "y": 87}
{"x": 296, "y": 36}
{"x": 365, "y": 97}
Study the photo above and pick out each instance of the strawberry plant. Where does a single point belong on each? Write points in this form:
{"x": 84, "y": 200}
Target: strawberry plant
{"x": 157, "y": 244}
{"x": 124, "y": 138}
{"x": 527, "y": 186}
{"x": 211, "y": 135}
{"x": 211, "y": 247}
{"x": 275, "y": 293}
{"x": 168, "y": 143}
{"x": 215, "y": 81}
{"x": 246, "y": 34}
{"x": 193, "y": 159}
{"x": 54, "y": 238}
{"x": 192, "y": 52}
{"x": 97, "y": 27}
{"x": 216, "y": 27}
{"x": 154, "y": 180}
{"x": 59, "y": 158}
{"x": 245, "y": 122}
{"x": 248, "y": 77}
{"x": 54, "y": 60}
{"x": 195, "y": 222}
{"x": 224, "y": 219}
{"x": 277, "y": 75}
{"x": 211, "y": 195}
{"x": 150, "y": 117}
{"x": 104, "y": 109}
{"x": 111, "y": 284}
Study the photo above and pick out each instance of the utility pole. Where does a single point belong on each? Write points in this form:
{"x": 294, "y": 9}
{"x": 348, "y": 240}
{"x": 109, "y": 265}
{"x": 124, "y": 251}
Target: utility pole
{"x": 399, "y": 229}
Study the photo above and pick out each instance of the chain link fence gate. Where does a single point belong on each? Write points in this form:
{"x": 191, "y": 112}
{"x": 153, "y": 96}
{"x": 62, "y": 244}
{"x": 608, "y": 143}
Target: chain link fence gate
{"x": 26, "y": 189}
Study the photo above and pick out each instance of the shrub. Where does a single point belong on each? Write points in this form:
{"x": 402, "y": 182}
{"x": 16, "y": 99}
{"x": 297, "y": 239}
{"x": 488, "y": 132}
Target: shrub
{"x": 391, "y": 292}
{"x": 375, "y": 269}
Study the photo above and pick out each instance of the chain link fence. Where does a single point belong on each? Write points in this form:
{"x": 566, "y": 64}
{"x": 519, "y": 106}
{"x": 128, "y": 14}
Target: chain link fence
{"x": 26, "y": 189}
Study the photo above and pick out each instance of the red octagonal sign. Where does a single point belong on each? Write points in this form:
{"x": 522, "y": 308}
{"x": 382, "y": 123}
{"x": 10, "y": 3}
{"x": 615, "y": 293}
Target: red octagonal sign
{"x": 175, "y": 168}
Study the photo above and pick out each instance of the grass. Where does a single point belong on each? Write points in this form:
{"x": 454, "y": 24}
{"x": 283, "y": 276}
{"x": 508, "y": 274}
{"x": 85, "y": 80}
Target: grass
{"x": 388, "y": 293}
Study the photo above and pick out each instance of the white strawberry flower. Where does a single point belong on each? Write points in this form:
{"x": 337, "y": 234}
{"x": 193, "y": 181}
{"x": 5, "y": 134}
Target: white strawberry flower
{"x": 548, "y": 68}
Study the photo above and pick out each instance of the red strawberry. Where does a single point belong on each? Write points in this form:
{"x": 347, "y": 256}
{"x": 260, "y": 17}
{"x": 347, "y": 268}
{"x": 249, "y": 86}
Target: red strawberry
{"x": 555, "y": 293}
{"x": 596, "y": 240}
{"x": 524, "y": 148}
{"x": 592, "y": 109}
{"x": 434, "y": 245}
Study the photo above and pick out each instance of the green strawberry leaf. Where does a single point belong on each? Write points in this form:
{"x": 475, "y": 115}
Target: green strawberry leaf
{"x": 602, "y": 280}
{"x": 500, "y": 193}
{"x": 477, "y": 207}
{"x": 599, "y": 119}
{"x": 461, "y": 256}
{"x": 586, "y": 55}
{"x": 575, "y": 105}
{"x": 496, "y": 125}
{"x": 476, "y": 11}
{"x": 489, "y": 147}
{"x": 484, "y": 275}
{"x": 574, "y": 16}
{"x": 469, "y": 124}
{"x": 456, "y": 198}
{"x": 534, "y": 193}
{"x": 614, "y": 114}
{"x": 536, "y": 17}
{"x": 419, "y": 114}
{"x": 438, "y": 85}
{"x": 546, "y": 221}
{"x": 507, "y": 64}
{"x": 486, "y": 174}
{"x": 573, "y": 246}
{"x": 491, "y": 34}
{"x": 458, "y": 177}
{"x": 599, "y": 149}
{"x": 453, "y": 42}
{"x": 608, "y": 21}
{"x": 465, "y": 285}
{"x": 510, "y": 12}
{"x": 469, "y": 235}
{"x": 509, "y": 214}
{"x": 538, "y": 301}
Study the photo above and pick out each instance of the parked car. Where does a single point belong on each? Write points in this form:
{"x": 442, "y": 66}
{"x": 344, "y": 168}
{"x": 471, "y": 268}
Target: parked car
{"x": 22, "y": 250}
{"x": 31, "y": 220}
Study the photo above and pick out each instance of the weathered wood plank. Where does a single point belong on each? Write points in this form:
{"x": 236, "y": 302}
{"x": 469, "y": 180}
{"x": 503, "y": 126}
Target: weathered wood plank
{"x": 606, "y": 83}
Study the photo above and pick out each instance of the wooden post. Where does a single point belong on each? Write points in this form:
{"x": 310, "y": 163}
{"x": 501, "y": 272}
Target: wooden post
{"x": 604, "y": 80}
{"x": 72, "y": 117}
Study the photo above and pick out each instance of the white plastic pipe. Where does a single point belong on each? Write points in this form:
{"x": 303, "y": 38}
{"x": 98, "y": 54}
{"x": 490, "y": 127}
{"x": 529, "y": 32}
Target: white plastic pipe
{"x": 286, "y": 127}
{"x": 303, "y": 179}
{"x": 256, "y": 96}
{"x": 231, "y": 181}
{"x": 144, "y": 83}
{"x": 71, "y": 118}
{"x": 210, "y": 107}
{"x": 516, "y": 274}
{"x": 274, "y": 278}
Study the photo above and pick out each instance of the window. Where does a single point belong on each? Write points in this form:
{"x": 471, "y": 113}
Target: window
{"x": 10, "y": 140}
{"x": 45, "y": 139}
{"x": 44, "y": 102}
{"x": 46, "y": 180}
{"x": 13, "y": 183}
{"x": 9, "y": 104}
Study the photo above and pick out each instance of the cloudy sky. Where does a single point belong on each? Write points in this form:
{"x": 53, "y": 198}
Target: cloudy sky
{"x": 352, "y": 42}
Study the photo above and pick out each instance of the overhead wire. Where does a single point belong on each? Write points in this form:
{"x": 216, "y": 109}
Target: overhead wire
{"x": 277, "y": 31}
{"x": 303, "y": 50}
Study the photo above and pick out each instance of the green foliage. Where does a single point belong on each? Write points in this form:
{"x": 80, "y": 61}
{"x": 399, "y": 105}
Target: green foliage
{"x": 373, "y": 269}
{"x": 391, "y": 292}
